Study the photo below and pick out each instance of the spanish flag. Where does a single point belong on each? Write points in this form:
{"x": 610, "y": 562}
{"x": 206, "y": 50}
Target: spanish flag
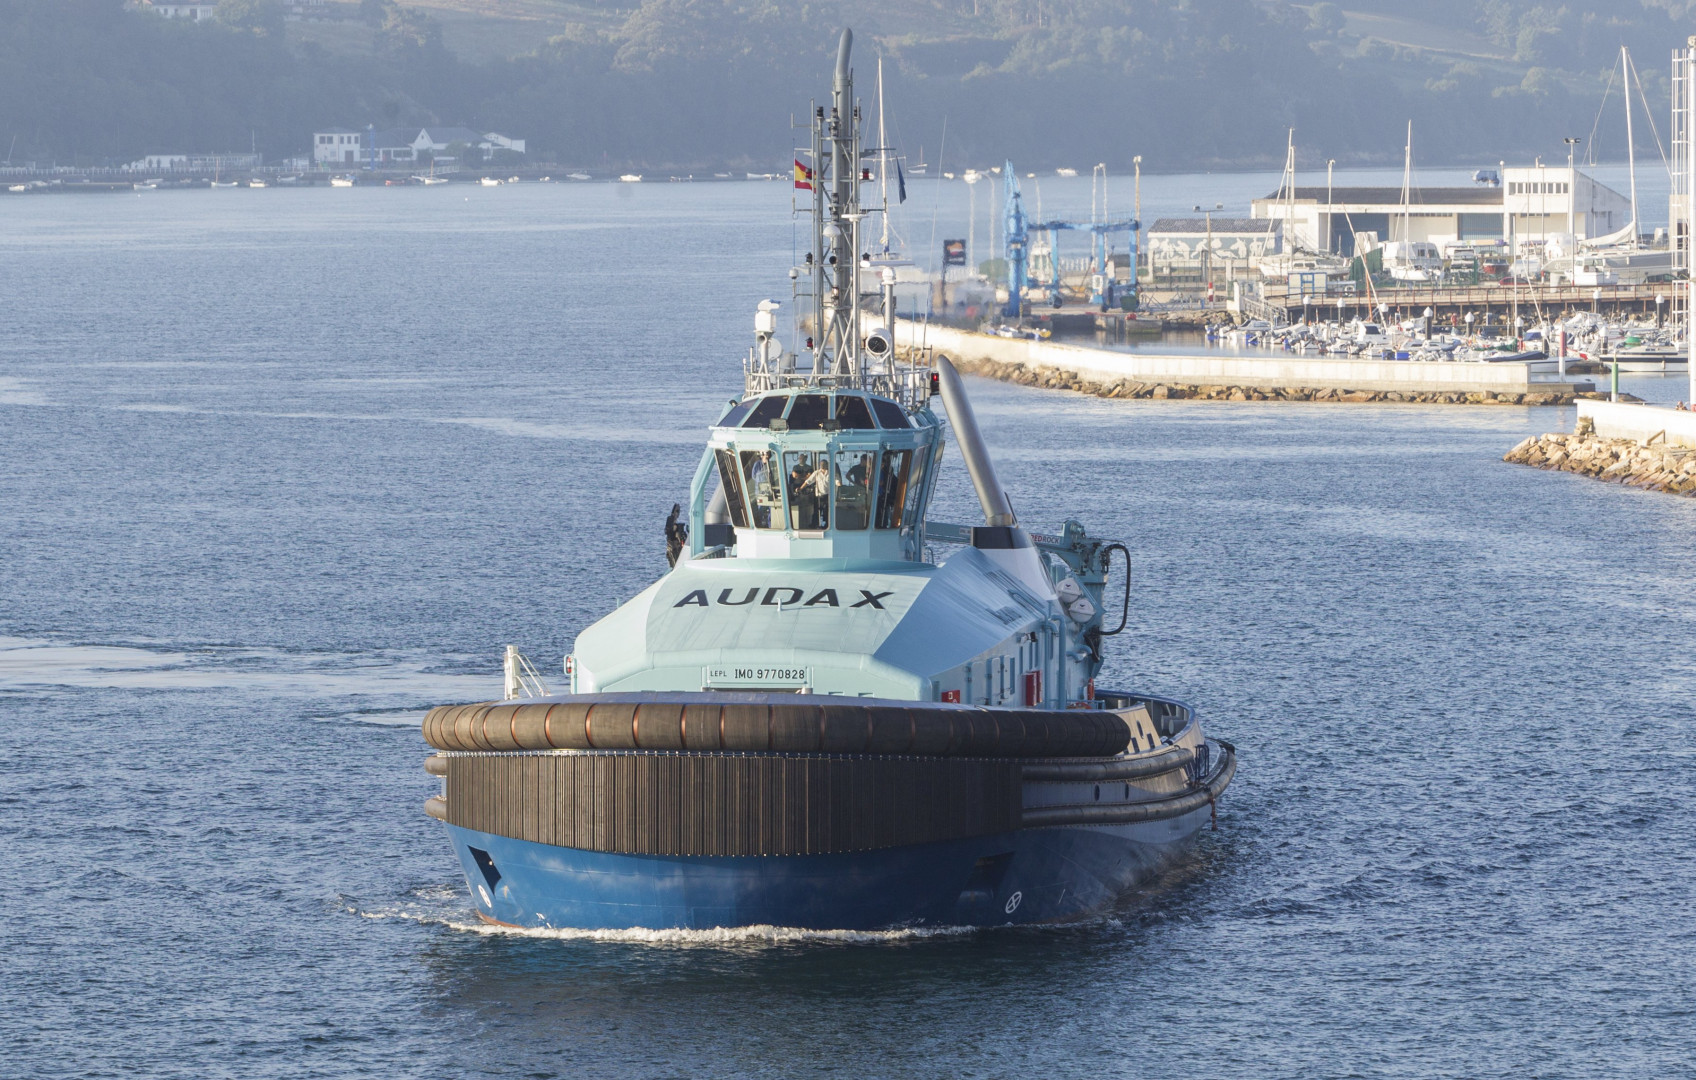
{"x": 803, "y": 177}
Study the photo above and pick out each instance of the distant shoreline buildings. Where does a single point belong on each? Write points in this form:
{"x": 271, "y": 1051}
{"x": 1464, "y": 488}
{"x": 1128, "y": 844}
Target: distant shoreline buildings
{"x": 343, "y": 147}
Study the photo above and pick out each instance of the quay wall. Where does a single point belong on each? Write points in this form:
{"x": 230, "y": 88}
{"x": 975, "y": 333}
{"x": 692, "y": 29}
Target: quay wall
{"x": 1268, "y": 372}
{"x": 1640, "y": 423}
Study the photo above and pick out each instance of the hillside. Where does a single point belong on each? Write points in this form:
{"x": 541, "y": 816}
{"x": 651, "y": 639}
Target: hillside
{"x": 692, "y": 84}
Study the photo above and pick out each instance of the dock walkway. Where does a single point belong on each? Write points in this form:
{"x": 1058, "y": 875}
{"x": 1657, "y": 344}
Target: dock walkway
{"x": 1440, "y": 380}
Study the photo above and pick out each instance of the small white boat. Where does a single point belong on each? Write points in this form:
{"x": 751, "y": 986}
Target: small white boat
{"x": 256, "y": 182}
{"x": 427, "y": 181}
{"x": 341, "y": 181}
{"x": 630, "y": 178}
{"x": 577, "y": 176}
{"x": 1065, "y": 172}
{"x": 19, "y": 189}
{"x": 489, "y": 181}
{"x": 224, "y": 183}
{"x": 512, "y": 179}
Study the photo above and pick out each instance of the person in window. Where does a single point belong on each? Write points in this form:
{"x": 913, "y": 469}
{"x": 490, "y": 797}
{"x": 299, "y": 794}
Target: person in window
{"x": 888, "y": 497}
{"x": 800, "y": 499}
{"x": 676, "y": 533}
{"x": 760, "y": 478}
{"x": 815, "y": 491}
{"x": 860, "y": 473}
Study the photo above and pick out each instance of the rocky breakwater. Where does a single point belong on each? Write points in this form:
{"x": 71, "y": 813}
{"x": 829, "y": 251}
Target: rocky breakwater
{"x": 1624, "y": 461}
{"x": 1060, "y": 379}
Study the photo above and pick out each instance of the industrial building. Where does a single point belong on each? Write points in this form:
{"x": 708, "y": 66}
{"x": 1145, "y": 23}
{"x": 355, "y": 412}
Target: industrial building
{"x": 1183, "y": 252}
{"x": 1529, "y": 204}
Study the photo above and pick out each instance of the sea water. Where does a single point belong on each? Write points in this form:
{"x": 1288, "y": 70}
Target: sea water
{"x": 284, "y": 468}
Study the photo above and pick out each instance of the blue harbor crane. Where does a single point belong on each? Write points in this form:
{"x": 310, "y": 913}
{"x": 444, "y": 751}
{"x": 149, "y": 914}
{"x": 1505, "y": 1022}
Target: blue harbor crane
{"x": 1019, "y": 230}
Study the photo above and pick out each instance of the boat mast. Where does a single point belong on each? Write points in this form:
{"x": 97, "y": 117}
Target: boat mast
{"x": 836, "y": 224}
{"x": 1290, "y": 197}
{"x": 882, "y": 159}
{"x": 1630, "y": 144}
{"x": 1407, "y": 194}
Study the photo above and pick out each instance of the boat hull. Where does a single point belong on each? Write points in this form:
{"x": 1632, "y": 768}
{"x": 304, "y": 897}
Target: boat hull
{"x": 1033, "y": 875}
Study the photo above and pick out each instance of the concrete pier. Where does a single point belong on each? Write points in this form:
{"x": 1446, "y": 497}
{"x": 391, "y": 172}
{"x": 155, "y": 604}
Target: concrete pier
{"x": 1647, "y": 424}
{"x": 1336, "y": 377}
{"x": 1638, "y": 445}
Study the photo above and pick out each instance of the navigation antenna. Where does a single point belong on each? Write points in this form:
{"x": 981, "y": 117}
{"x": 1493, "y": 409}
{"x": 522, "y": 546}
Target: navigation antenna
{"x": 836, "y": 226}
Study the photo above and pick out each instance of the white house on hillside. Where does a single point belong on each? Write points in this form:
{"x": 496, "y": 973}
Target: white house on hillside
{"x": 337, "y": 146}
{"x": 195, "y": 11}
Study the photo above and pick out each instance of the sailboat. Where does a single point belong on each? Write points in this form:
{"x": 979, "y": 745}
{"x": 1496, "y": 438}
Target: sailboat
{"x": 1414, "y": 262}
{"x": 1295, "y": 258}
{"x": 1621, "y": 254}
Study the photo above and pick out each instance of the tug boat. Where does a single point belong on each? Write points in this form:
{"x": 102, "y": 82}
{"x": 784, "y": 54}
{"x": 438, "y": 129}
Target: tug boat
{"x": 832, "y": 712}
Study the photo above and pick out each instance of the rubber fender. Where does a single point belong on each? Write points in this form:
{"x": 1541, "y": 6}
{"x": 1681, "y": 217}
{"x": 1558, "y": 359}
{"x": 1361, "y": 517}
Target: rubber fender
{"x": 774, "y": 723}
{"x": 1133, "y": 768}
{"x": 436, "y": 765}
{"x": 1130, "y": 813}
{"x": 436, "y": 807}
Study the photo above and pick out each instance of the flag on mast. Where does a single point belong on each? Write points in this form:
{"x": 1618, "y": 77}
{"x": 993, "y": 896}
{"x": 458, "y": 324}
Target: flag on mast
{"x": 900, "y": 183}
{"x": 803, "y": 177}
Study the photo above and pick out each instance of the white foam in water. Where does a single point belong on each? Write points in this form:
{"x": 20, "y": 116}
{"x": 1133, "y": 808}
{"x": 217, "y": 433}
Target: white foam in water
{"x": 716, "y": 937}
{"x": 16, "y": 392}
{"x": 27, "y": 663}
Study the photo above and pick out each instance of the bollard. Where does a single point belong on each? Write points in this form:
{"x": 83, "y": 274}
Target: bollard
{"x": 1614, "y": 393}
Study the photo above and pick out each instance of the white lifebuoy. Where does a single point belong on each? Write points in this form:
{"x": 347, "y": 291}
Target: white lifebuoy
{"x": 1013, "y": 902}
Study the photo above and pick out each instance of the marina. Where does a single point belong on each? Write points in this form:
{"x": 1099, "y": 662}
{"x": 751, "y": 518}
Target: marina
{"x": 227, "y": 802}
{"x": 902, "y": 615}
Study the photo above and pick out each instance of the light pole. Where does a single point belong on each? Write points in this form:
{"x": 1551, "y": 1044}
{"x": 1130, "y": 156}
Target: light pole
{"x": 1136, "y": 163}
{"x": 1330, "y": 233}
{"x": 1571, "y": 199}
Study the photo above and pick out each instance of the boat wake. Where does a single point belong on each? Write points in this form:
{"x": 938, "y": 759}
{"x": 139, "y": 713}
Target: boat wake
{"x": 464, "y": 920}
{"x": 367, "y": 688}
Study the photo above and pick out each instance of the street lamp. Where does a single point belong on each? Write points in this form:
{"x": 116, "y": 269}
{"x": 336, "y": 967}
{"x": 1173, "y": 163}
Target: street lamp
{"x": 1136, "y": 163}
{"x": 1571, "y": 199}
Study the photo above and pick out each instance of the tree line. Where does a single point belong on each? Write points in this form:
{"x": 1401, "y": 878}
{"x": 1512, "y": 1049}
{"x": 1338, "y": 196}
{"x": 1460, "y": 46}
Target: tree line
{"x": 692, "y": 84}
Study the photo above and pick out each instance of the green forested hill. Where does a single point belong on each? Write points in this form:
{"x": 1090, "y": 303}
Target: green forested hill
{"x": 690, "y": 84}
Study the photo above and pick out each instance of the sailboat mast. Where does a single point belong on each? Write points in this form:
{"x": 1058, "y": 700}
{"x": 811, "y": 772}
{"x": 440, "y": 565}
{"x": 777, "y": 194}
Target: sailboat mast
{"x": 1407, "y": 185}
{"x": 882, "y": 157}
{"x": 1290, "y": 195}
{"x": 1630, "y": 144}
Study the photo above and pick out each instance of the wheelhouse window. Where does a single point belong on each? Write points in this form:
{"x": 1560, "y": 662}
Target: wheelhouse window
{"x": 852, "y": 414}
{"x": 889, "y": 414}
{"x": 807, "y": 479}
{"x": 855, "y": 470}
{"x": 732, "y": 484}
{"x": 764, "y": 490}
{"x": 892, "y": 488}
{"x": 735, "y": 415}
{"x": 809, "y": 412}
{"x": 769, "y": 409}
{"x": 915, "y": 485}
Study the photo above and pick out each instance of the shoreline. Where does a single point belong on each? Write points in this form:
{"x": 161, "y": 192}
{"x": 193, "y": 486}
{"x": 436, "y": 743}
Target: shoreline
{"x": 1128, "y": 389}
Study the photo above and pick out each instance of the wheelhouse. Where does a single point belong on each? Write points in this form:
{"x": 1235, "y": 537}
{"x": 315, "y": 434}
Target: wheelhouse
{"x": 819, "y": 472}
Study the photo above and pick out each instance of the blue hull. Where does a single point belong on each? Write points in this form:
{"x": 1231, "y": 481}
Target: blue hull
{"x": 1028, "y": 876}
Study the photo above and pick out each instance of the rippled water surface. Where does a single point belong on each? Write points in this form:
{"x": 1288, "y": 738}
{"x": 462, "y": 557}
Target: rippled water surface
{"x": 282, "y": 468}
